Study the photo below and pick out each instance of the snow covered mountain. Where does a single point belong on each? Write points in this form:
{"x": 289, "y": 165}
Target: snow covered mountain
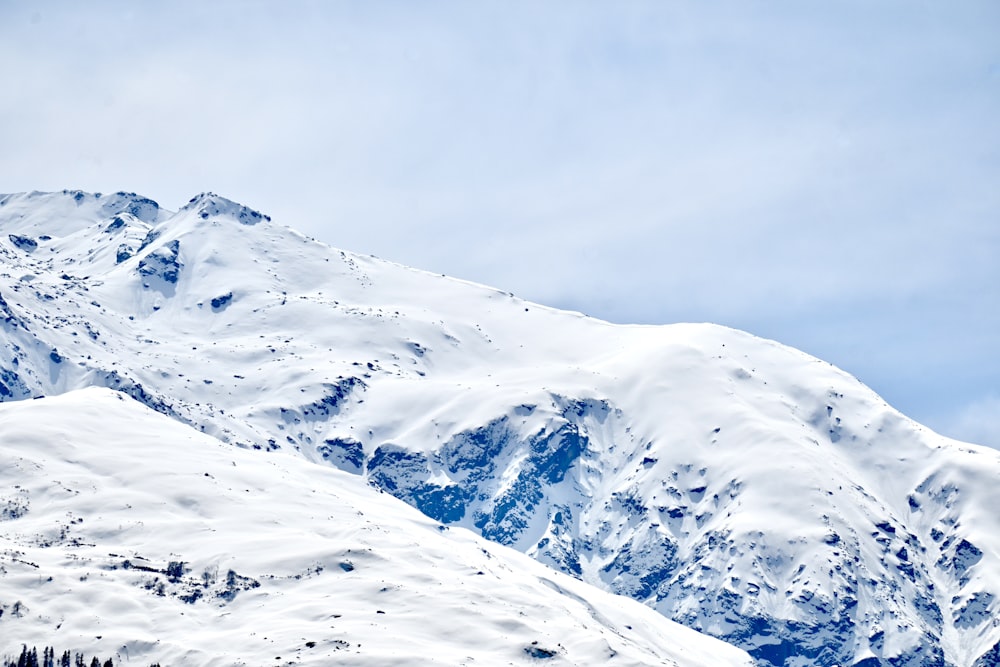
{"x": 735, "y": 485}
{"x": 136, "y": 537}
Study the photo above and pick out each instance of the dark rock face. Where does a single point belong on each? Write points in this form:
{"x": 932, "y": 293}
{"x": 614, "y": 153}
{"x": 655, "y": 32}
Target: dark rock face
{"x": 642, "y": 566}
{"x": 348, "y": 455}
{"x": 407, "y": 474}
{"x": 327, "y": 405}
{"x": 776, "y": 642}
{"x": 989, "y": 659}
{"x": 115, "y": 225}
{"x": 473, "y": 460}
{"x": 975, "y": 611}
{"x": 966, "y": 555}
{"x": 124, "y": 252}
{"x": 540, "y": 653}
{"x": 506, "y": 515}
{"x": 12, "y": 387}
{"x": 163, "y": 263}
{"x": 221, "y": 302}
{"x": 25, "y": 243}
{"x": 151, "y": 236}
{"x": 9, "y": 318}
{"x": 476, "y": 459}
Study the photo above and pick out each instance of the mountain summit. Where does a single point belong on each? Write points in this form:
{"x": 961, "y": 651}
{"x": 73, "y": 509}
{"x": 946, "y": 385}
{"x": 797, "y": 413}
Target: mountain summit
{"x": 210, "y": 205}
{"x": 737, "y": 486}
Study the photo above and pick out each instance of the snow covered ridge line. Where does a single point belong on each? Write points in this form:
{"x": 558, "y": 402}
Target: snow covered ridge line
{"x": 90, "y": 204}
{"x": 206, "y": 204}
{"x": 743, "y": 488}
{"x": 148, "y": 541}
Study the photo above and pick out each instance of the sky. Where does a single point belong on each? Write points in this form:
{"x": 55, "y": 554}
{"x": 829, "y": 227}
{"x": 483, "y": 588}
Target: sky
{"x": 826, "y": 174}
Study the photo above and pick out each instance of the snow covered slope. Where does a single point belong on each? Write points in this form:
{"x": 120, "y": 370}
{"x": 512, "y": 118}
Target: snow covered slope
{"x": 740, "y": 487}
{"x": 131, "y": 535}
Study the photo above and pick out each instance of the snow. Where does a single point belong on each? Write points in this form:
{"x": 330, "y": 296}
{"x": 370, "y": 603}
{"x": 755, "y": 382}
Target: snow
{"x": 738, "y": 486}
{"x": 324, "y": 568}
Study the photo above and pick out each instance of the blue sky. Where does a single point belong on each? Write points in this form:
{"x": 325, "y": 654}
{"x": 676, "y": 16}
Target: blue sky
{"x": 826, "y": 174}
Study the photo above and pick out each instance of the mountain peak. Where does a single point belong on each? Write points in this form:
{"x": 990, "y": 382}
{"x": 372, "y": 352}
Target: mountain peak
{"x": 209, "y": 205}
{"x": 143, "y": 208}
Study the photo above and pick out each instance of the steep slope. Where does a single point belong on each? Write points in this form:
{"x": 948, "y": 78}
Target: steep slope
{"x": 130, "y": 535}
{"x": 743, "y": 488}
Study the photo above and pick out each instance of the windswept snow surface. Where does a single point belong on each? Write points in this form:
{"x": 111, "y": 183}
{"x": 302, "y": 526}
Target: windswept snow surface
{"x": 738, "y": 486}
